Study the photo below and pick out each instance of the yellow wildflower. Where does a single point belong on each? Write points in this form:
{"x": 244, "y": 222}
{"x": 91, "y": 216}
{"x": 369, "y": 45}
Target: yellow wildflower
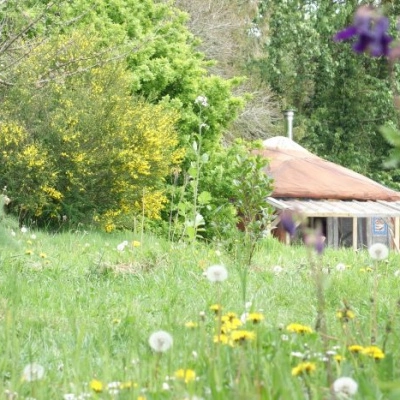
{"x": 191, "y": 324}
{"x": 187, "y": 375}
{"x": 216, "y": 308}
{"x": 29, "y": 252}
{"x": 242, "y": 336}
{"x": 221, "y": 339}
{"x": 255, "y": 317}
{"x": 43, "y": 255}
{"x": 356, "y": 348}
{"x": 298, "y": 328}
{"x": 135, "y": 243}
{"x": 96, "y": 385}
{"x": 304, "y": 367}
{"x": 231, "y": 324}
{"x": 374, "y": 352}
{"x": 338, "y": 358}
{"x": 230, "y": 316}
{"x": 345, "y": 315}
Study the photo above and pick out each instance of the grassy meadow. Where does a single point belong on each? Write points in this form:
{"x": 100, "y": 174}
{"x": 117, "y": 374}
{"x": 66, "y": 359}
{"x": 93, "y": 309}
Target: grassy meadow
{"x": 77, "y": 311}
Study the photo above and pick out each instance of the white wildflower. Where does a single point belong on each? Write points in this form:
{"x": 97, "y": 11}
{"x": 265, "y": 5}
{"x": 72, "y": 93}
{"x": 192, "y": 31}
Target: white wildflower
{"x": 69, "y": 396}
{"x": 345, "y": 385}
{"x": 114, "y": 388}
{"x": 378, "y": 251}
{"x": 202, "y": 100}
{"x": 160, "y": 341}
{"x": 122, "y": 245}
{"x": 243, "y": 317}
{"x": 24, "y": 229}
{"x": 340, "y": 267}
{"x": 216, "y": 273}
{"x": 32, "y": 372}
{"x": 165, "y": 386}
{"x": 297, "y": 354}
{"x": 277, "y": 269}
{"x": 397, "y": 273}
{"x": 284, "y": 338}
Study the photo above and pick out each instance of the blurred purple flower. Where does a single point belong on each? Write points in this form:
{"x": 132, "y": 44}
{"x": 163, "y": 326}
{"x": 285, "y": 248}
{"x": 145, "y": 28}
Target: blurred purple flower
{"x": 288, "y": 223}
{"x": 370, "y": 28}
{"x": 315, "y": 238}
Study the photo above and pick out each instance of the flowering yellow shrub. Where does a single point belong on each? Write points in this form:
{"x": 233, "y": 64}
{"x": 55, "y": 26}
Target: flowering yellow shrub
{"x": 96, "y": 153}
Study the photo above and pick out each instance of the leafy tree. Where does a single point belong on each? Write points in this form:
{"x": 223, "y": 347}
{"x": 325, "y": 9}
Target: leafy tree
{"x": 341, "y": 99}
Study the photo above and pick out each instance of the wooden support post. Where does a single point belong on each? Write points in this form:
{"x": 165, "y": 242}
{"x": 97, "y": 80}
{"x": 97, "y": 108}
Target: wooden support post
{"x": 397, "y": 233}
{"x": 355, "y": 234}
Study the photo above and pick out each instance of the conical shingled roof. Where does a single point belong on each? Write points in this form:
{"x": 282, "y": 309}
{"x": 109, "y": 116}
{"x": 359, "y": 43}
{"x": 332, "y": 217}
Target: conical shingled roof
{"x": 297, "y": 173}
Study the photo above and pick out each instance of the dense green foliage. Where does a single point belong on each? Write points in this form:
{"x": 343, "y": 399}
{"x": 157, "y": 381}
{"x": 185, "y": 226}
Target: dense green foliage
{"x": 83, "y": 147}
{"x": 341, "y": 98}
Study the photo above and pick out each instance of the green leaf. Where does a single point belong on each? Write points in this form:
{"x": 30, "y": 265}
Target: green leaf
{"x": 204, "y": 198}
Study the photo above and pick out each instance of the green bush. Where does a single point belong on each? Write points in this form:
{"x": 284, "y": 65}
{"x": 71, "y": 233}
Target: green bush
{"x": 82, "y": 146}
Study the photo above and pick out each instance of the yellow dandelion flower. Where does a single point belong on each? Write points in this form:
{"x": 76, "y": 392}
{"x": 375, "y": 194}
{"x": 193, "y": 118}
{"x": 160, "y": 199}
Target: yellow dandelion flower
{"x": 216, "y": 308}
{"x": 366, "y": 269}
{"x": 242, "y": 336}
{"x": 191, "y": 324}
{"x": 187, "y": 375}
{"x": 345, "y": 315}
{"x": 135, "y": 243}
{"x": 29, "y": 252}
{"x": 221, "y": 339}
{"x": 43, "y": 255}
{"x": 141, "y": 398}
{"x": 374, "y": 352}
{"x": 298, "y": 328}
{"x": 128, "y": 385}
{"x": 356, "y": 348}
{"x": 230, "y": 316}
{"x": 338, "y": 358}
{"x": 96, "y": 385}
{"x": 255, "y": 317}
{"x": 231, "y": 324}
{"x": 303, "y": 368}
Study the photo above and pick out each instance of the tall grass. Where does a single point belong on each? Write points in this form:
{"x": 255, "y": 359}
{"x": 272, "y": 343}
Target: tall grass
{"x": 84, "y": 310}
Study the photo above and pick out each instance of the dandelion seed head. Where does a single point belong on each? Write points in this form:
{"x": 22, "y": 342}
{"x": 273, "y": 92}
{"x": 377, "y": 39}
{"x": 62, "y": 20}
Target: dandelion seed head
{"x": 340, "y": 267}
{"x": 345, "y": 385}
{"x": 378, "y": 251}
{"x": 216, "y": 273}
{"x": 160, "y": 341}
{"x": 32, "y": 372}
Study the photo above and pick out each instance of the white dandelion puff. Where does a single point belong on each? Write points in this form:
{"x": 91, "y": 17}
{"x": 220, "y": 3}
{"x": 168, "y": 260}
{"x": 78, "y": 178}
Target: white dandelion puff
{"x": 160, "y": 341}
{"x": 216, "y": 273}
{"x": 32, "y": 372}
{"x": 345, "y": 385}
{"x": 378, "y": 251}
{"x": 340, "y": 267}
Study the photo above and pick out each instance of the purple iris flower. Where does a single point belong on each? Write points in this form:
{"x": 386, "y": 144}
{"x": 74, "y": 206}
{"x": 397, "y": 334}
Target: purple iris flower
{"x": 288, "y": 222}
{"x": 371, "y": 30}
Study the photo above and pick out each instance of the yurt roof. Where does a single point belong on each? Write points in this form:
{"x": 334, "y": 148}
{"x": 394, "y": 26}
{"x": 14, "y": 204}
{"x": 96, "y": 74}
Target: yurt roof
{"x": 300, "y": 174}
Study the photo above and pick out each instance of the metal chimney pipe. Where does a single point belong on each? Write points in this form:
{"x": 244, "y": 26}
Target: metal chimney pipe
{"x": 288, "y": 114}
